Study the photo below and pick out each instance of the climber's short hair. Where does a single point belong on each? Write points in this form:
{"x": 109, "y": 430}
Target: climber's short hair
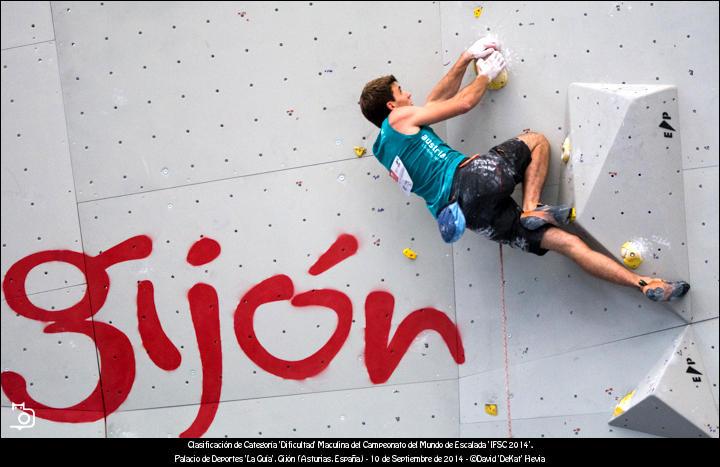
{"x": 374, "y": 98}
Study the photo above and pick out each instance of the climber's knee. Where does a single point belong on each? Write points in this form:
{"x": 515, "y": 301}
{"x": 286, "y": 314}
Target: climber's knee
{"x": 533, "y": 139}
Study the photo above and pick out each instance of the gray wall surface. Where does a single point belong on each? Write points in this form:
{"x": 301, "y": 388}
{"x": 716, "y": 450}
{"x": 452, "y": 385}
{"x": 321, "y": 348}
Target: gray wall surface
{"x": 168, "y": 123}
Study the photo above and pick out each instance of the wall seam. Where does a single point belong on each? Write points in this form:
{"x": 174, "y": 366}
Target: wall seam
{"x": 77, "y": 210}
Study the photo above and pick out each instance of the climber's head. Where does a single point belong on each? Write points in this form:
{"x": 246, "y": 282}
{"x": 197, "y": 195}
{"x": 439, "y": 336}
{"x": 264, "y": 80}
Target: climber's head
{"x": 380, "y": 97}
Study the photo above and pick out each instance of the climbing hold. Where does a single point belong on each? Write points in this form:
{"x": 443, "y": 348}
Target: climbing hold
{"x": 409, "y": 253}
{"x": 500, "y": 80}
{"x": 566, "y": 150}
{"x": 478, "y": 11}
{"x": 631, "y": 255}
{"x": 491, "y": 409}
{"x": 573, "y": 215}
{"x": 360, "y": 151}
{"x": 624, "y": 404}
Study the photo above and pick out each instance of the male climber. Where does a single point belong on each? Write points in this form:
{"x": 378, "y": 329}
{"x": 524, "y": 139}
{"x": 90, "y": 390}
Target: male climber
{"x": 476, "y": 191}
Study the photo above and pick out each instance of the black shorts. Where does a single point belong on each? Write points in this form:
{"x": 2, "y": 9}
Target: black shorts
{"x": 484, "y": 187}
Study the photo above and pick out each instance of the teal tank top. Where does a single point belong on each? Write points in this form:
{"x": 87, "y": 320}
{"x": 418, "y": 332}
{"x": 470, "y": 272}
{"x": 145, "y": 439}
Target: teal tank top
{"x": 428, "y": 163}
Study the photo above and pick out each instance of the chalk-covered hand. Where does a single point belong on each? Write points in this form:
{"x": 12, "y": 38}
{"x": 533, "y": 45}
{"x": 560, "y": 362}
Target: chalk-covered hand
{"x": 491, "y": 66}
{"x": 482, "y": 48}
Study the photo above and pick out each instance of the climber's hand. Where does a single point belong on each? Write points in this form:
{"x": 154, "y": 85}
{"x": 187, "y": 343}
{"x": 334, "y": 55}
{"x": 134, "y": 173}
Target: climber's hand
{"x": 482, "y": 48}
{"x": 492, "y": 66}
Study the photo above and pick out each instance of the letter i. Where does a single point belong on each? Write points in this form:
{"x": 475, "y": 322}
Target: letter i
{"x": 203, "y": 301}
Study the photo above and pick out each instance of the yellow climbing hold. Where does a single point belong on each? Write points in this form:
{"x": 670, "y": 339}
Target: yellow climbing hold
{"x": 500, "y": 80}
{"x": 360, "y": 151}
{"x": 478, "y": 11}
{"x": 624, "y": 404}
{"x": 409, "y": 253}
{"x": 573, "y": 215}
{"x": 566, "y": 150}
{"x": 631, "y": 255}
{"x": 491, "y": 409}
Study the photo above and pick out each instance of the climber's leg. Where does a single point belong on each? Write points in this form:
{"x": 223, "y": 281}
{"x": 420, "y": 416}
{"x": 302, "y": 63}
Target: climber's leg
{"x": 606, "y": 268}
{"x": 537, "y": 170}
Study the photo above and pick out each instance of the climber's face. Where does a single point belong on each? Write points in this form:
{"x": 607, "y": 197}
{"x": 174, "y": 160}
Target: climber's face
{"x": 401, "y": 98}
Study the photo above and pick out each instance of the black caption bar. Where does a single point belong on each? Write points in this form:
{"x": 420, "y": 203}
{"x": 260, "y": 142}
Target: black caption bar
{"x": 470, "y": 451}
{"x": 358, "y": 451}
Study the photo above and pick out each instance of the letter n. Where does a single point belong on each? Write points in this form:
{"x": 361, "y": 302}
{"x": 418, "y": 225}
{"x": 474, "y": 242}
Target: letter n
{"x": 381, "y": 357}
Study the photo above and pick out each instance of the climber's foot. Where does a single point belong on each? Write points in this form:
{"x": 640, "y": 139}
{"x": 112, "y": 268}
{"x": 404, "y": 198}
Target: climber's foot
{"x": 659, "y": 290}
{"x": 546, "y": 214}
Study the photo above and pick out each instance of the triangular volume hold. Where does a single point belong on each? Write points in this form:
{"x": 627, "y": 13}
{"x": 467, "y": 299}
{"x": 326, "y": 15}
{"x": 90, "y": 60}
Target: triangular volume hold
{"x": 672, "y": 400}
{"x": 625, "y": 159}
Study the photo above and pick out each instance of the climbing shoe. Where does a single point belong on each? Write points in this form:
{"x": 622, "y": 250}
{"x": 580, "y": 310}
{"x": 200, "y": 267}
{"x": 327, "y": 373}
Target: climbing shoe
{"x": 546, "y": 214}
{"x": 659, "y": 290}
